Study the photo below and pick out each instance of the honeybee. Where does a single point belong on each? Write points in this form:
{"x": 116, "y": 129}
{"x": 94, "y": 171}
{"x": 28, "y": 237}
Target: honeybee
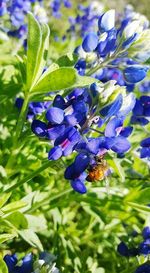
{"x": 98, "y": 171}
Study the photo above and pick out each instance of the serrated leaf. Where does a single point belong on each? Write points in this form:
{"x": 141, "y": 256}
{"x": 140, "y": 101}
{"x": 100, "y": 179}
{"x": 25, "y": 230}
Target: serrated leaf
{"x": 34, "y": 46}
{"x": 30, "y": 237}
{"x": 3, "y": 266}
{"x": 13, "y": 206}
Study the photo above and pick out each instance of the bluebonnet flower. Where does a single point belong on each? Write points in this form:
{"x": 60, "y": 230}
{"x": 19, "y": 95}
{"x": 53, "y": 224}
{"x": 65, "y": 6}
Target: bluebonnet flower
{"x": 86, "y": 19}
{"x": 17, "y": 10}
{"x": 145, "y": 150}
{"x": 70, "y": 122}
{"x": 90, "y": 42}
{"x": 141, "y": 111}
{"x": 3, "y": 7}
{"x": 144, "y": 268}
{"x": 107, "y": 74}
{"x": 144, "y": 247}
{"x": 13, "y": 267}
{"x": 146, "y": 231}
{"x": 123, "y": 249}
{"x": 34, "y": 108}
{"x": 56, "y": 6}
{"x": 46, "y": 262}
{"x": 106, "y": 21}
{"x": 145, "y": 87}
{"x": 135, "y": 73}
{"x": 108, "y": 44}
{"x": 74, "y": 117}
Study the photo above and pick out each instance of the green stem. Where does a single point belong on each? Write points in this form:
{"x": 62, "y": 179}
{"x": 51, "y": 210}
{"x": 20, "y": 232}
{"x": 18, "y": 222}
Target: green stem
{"x": 105, "y": 63}
{"x": 21, "y": 119}
{"x": 29, "y": 177}
{"x": 17, "y": 133}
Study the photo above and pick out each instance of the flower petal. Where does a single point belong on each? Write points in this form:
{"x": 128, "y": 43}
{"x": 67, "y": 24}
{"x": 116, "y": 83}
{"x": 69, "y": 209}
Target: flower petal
{"x": 55, "y": 115}
{"x": 107, "y": 21}
{"x": 121, "y": 145}
{"x": 55, "y": 131}
{"x": 78, "y": 186}
{"x": 39, "y": 128}
{"x": 112, "y": 125}
{"x": 90, "y": 42}
{"x": 55, "y": 153}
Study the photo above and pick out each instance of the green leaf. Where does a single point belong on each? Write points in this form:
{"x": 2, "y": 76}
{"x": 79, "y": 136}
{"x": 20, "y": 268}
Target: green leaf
{"x": 60, "y": 79}
{"x": 36, "y": 222}
{"x": 42, "y": 56}
{"x": 34, "y": 46}
{"x": 13, "y": 206}
{"x": 67, "y": 60}
{"x": 138, "y": 207}
{"x": 142, "y": 196}
{"x": 4, "y": 198}
{"x": 18, "y": 220}
{"x": 30, "y": 237}
{"x": 3, "y": 266}
{"x": 6, "y": 236}
{"x": 83, "y": 81}
{"x": 115, "y": 164}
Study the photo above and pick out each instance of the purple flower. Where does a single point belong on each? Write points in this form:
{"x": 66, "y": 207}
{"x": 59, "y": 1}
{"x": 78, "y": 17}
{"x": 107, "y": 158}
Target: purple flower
{"x": 64, "y": 145}
{"x": 107, "y": 21}
{"x": 145, "y": 150}
{"x": 123, "y": 250}
{"x": 146, "y": 233}
{"x": 39, "y": 128}
{"x": 141, "y": 111}
{"x": 144, "y": 247}
{"x": 55, "y": 115}
{"x": 26, "y": 266}
{"x": 134, "y": 74}
{"x": 90, "y": 42}
{"x": 144, "y": 268}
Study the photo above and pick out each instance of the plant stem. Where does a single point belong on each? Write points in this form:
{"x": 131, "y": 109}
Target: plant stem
{"x": 21, "y": 119}
{"x": 17, "y": 133}
{"x": 29, "y": 177}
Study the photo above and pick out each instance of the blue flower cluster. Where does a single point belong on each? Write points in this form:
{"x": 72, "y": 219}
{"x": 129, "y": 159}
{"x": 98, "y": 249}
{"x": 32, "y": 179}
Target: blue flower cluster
{"x": 17, "y": 10}
{"x": 112, "y": 47}
{"x": 145, "y": 148}
{"x": 31, "y": 264}
{"x": 141, "y": 111}
{"x": 86, "y": 19}
{"x": 13, "y": 267}
{"x": 56, "y": 6}
{"x": 34, "y": 108}
{"x": 73, "y": 126}
{"x": 142, "y": 249}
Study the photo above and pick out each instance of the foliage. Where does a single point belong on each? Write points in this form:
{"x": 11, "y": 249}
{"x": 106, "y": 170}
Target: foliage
{"x": 47, "y": 206}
